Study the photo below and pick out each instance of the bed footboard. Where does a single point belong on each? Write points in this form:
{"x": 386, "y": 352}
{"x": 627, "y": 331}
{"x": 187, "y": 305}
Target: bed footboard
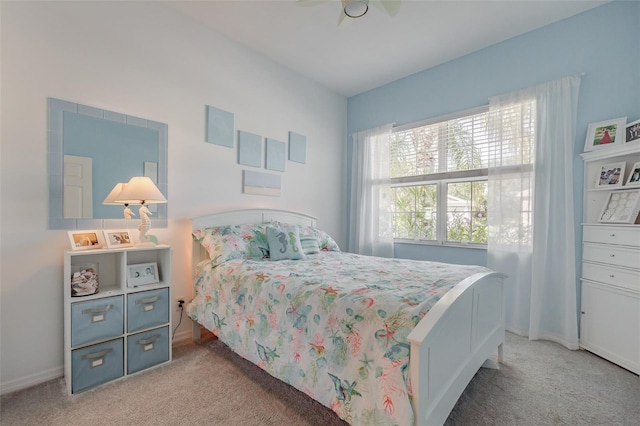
{"x": 450, "y": 344}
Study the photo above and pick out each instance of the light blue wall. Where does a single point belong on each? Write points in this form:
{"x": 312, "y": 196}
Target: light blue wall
{"x": 603, "y": 43}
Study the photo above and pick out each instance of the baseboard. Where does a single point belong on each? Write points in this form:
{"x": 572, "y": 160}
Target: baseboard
{"x": 57, "y": 372}
{"x": 31, "y": 380}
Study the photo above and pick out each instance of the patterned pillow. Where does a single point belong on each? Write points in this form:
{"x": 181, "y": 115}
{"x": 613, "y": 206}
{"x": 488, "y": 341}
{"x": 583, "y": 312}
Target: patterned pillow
{"x": 284, "y": 243}
{"x": 224, "y": 243}
{"x": 309, "y": 244}
{"x": 325, "y": 242}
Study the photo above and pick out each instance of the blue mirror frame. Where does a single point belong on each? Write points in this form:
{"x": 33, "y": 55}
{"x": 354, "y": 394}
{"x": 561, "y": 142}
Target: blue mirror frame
{"x": 55, "y": 137}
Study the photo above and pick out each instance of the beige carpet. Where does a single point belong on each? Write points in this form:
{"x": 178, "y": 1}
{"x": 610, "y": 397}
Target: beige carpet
{"x": 540, "y": 383}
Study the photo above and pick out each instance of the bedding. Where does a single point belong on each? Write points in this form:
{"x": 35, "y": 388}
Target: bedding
{"x": 332, "y": 324}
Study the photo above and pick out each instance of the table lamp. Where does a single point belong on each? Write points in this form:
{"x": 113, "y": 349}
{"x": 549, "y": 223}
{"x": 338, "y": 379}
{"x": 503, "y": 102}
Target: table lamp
{"x": 111, "y": 201}
{"x": 141, "y": 190}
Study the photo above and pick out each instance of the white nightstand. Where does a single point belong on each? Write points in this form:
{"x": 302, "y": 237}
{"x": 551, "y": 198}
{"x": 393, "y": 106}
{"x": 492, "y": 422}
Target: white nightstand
{"x": 120, "y": 330}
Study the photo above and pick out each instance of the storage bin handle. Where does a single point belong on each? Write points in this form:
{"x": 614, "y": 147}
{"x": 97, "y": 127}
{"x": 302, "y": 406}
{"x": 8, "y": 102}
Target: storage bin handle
{"x": 97, "y": 354}
{"x": 147, "y": 300}
{"x": 100, "y": 310}
{"x": 149, "y": 340}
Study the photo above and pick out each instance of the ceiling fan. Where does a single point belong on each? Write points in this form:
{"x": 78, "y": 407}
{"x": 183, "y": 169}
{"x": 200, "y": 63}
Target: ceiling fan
{"x": 357, "y": 8}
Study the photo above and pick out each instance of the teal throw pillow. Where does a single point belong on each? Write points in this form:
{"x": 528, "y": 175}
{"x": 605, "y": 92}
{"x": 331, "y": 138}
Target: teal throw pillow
{"x": 284, "y": 244}
{"x": 310, "y": 245}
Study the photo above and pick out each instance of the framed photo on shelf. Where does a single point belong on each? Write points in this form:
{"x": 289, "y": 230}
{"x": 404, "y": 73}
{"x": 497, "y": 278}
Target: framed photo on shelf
{"x": 118, "y": 239}
{"x": 605, "y": 133}
{"x": 621, "y": 207}
{"x": 142, "y": 274}
{"x": 634, "y": 176}
{"x": 85, "y": 240}
{"x": 632, "y": 131}
{"x": 611, "y": 175}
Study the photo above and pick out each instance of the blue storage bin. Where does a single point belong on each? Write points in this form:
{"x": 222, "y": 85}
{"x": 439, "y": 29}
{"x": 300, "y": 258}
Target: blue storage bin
{"x": 147, "y": 349}
{"x": 96, "y": 320}
{"x": 147, "y": 309}
{"x": 94, "y": 365}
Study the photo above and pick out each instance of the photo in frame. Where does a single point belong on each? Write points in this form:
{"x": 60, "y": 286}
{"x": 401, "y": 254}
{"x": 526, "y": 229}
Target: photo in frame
{"x": 118, "y": 238}
{"x": 605, "y": 133}
{"x": 621, "y": 207}
{"x": 85, "y": 240}
{"x": 142, "y": 274}
{"x": 611, "y": 175}
{"x": 632, "y": 131}
{"x": 634, "y": 176}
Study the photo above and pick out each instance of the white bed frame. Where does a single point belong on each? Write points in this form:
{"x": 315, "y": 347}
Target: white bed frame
{"x": 459, "y": 335}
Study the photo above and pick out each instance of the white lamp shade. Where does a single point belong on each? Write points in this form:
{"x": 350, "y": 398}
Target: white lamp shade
{"x": 111, "y": 198}
{"x": 140, "y": 190}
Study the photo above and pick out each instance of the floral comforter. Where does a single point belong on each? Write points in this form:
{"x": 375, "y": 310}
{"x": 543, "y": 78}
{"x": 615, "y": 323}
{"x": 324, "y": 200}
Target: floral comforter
{"x": 333, "y": 325}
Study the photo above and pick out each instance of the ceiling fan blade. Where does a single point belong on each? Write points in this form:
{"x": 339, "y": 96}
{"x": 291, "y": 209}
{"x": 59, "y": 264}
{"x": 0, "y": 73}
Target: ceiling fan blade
{"x": 342, "y": 17}
{"x": 391, "y": 7}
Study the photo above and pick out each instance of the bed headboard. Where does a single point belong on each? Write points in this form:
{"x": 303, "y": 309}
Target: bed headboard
{"x": 242, "y": 217}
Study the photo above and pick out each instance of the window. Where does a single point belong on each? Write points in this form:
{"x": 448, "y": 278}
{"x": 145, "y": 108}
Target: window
{"x": 439, "y": 179}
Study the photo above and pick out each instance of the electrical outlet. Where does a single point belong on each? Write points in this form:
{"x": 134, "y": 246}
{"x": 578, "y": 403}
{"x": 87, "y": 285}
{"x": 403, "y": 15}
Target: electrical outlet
{"x": 180, "y": 303}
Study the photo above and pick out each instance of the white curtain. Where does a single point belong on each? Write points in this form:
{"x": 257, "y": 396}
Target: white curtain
{"x": 370, "y": 221}
{"x": 531, "y": 219}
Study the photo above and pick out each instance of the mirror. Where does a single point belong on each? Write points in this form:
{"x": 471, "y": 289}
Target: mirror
{"x": 90, "y": 150}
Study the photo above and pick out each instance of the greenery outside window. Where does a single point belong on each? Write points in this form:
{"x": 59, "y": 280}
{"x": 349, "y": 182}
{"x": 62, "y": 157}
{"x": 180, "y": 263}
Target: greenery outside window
{"x": 439, "y": 180}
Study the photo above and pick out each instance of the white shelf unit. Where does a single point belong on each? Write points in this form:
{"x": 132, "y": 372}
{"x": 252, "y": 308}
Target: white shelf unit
{"x": 610, "y": 306}
{"x": 120, "y": 330}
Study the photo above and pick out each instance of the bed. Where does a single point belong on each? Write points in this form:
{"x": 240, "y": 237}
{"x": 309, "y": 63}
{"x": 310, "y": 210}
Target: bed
{"x": 379, "y": 341}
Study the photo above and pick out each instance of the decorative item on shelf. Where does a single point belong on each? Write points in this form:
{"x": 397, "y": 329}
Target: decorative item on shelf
{"x": 632, "y": 131}
{"x": 142, "y": 274}
{"x": 111, "y": 201}
{"x": 118, "y": 239}
{"x": 611, "y": 175}
{"x": 605, "y": 133}
{"x": 85, "y": 240}
{"x": 141, "y": 190}
{"x": 621, "y": 207}
{"x": 634, "y": 176}
{"x": 84, "y": 280}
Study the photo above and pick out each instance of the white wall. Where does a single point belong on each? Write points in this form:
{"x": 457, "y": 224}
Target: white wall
{"x": 145, "y": 60}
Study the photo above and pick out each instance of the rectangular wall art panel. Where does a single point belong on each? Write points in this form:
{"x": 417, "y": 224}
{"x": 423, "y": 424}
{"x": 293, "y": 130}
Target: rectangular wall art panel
{"x": 257, "y": 183}
{"x": 297, "y": 148}
{"x": 249, "y": 149}
{"x": 220, "y": 127}
{"x": 275, "y": 155}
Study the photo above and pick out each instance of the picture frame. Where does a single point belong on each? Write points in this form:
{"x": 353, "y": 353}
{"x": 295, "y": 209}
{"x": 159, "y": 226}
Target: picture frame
{"x": 275, "y": 155}
{"x": 142, "y": 274}
{"x": 118, "y": 238}
{"x": 605, "y": 133}
{"x": 634, "y": 176}
{"x": 85, "y": 240}
{"x": 220, "y": 126}
{"x": 621, "y": 206}
{"x": 611, "y": 175}
{"x": 249, "y": 149}
{"x": 632, "y": 131}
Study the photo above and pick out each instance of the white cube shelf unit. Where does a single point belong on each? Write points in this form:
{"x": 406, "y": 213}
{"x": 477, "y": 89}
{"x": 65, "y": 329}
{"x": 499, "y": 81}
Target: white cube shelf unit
{"x": 121, "y": 329}
{"x": 610, "y": 306}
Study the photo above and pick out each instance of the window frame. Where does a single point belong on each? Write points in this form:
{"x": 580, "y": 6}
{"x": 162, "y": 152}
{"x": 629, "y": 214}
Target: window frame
{"x": 441, "y": 179}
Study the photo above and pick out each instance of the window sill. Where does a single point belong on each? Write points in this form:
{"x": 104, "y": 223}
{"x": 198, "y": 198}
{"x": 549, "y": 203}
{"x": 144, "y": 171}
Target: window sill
{"x": 446, "y": 244}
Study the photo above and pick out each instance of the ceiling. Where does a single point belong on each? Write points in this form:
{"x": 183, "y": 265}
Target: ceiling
{"x": 368, "y": 52}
